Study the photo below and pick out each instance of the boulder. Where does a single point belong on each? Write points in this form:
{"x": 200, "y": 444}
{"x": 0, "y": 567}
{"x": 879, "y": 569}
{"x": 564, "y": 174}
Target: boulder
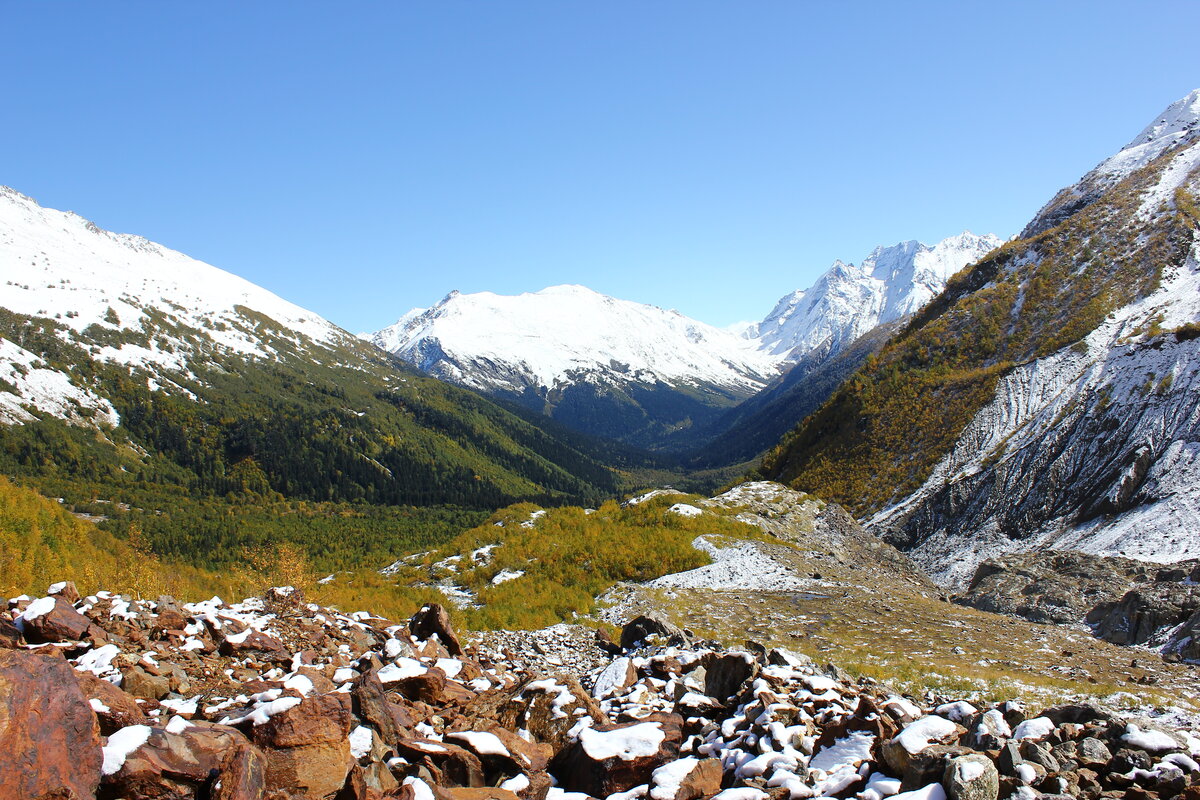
{"x": 686, "y": 779}
{"x": 48, "y": 732}
{"x": 971, "y": 777}
{"x": 66, "y": 590}
{"x": 916, "y": 737}
{"x": 198, "y": 760}
{"x": 114, "y": 708}
{"x": 140, "y": 683}
{"x": 640, "y": 628}
{"x": 619, "y": 675}
{"x": 725, "y": 674}
{"x": 447, "y": 763}
{"x": 548, "y": 709}
{"x": 306, "y": 746}
{"x": 615, "y": 758}
{"x": 384, "y": 709}
{"x": 434, "y": 620}
{"x": 10, "y": 636}
{"x": 250, "y": 642}
{"x": 53, "y": 619}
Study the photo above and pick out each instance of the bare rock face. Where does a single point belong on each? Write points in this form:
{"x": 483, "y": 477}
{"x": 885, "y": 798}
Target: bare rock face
{"x": 433, "y": 620}
{"x": 615, "y": 758}
{"x": 48, "y": 733}
{"x": 1142, "y": 612}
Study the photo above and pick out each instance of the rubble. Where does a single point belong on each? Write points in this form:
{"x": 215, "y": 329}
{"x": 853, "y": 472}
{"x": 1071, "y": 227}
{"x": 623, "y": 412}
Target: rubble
{"x": 151, "y": 699}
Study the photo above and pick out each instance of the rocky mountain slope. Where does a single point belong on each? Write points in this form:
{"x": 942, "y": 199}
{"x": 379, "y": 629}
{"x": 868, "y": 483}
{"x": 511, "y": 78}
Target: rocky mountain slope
{"x": 125, "y": 363}
{"x": 1047, "y": 398}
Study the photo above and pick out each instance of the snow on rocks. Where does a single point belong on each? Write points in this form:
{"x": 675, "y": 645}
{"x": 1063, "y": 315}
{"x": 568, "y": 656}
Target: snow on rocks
{"x": 354, "y": 700}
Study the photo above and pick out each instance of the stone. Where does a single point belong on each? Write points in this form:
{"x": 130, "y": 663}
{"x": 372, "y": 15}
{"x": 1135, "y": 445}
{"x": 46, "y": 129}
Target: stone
{"x": 1039, "y": 753}
{"x": 448, "y": 763}
{"x": 432, "y": 620}
{"x": 250, "y": 642}
{"x": 548, "y": 709}
{"x": 201, "y": 760}
{"x": 726, "y": 674}
{"x": 48, "y": 732}
{"x": 140, "y": 683}
{"x": 704, "y": 780}
{"x": 114, "y": 708}
{"x": 306, "y": 746}
{"x": 386, "y": 711}
{"x": 60, "y": 623}
{"x": 10, "y": 636}
{"x": 638, "y": 629}
{"x": 66, "y": 590}
{"x": 1091, "y": 752}
{"x": 470, "y": 793}
{"x": 971, "y": 777}
{"x": 929, "y": 765}
{"x": 615, "y": 758}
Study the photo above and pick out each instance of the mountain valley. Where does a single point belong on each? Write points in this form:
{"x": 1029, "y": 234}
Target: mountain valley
{"x": 846, "y": 551}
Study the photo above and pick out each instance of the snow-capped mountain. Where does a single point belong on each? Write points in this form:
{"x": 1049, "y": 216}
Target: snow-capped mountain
{"x": 849, "y": 300}
{"x": 193, "y": 377}
{"x": 1177, "y": 123}
{"x": 605, "y": 366}
{"x": 539, "y": 345}
{"x": 142, "y": 305}
{"x": 564, "y": 334}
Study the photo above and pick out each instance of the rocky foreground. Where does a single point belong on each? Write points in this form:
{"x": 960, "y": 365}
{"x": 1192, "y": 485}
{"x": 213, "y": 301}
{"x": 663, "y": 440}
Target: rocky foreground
{"x": 108, "y": 697}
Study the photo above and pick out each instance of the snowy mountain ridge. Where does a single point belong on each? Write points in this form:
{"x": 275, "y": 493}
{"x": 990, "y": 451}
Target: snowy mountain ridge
{"x": 548, "y": 341}
{"x": 139, "y": 303}
{"x": 566, "y": 333}
{"x": 848, "y": 300}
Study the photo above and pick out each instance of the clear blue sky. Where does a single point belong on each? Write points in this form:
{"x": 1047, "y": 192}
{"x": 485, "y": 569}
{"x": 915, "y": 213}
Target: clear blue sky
{"x": 364, "y": 158}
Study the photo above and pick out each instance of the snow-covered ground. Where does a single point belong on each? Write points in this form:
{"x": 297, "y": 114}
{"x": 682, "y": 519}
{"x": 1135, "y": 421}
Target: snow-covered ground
{"x": 738, "y": 565}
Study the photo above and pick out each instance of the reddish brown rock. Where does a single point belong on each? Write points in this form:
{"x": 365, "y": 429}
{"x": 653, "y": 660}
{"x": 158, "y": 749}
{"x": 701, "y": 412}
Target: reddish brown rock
{"x": 66, "y": 590}
{"x": 253, "y": 643}
{"x": 432, "y": 620}
{"x": 62, "y": 623}
{"x": 202, "y": 760}
{"x": 306, "y": 747}
{"x": 449, "y": 764}
{"x": 318, "y": 719}
{"x": 465, "y": 793}
{"x": 139, "y": 682}
{"x": 59, "y": 761}
{"x": 9, "y": 635}
{"x": 114, "y": 708}
{"x": 703, "y": 781}
{"x": 386, "y": 711}
{"x": 599, "y": 764}
{"x": 548, "y": 708}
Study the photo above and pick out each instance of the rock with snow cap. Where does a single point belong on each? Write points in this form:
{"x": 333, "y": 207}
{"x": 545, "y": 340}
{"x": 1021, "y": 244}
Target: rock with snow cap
{"x": 548, "y": 708}
{"x": 384, "y": 709}
{"x": 189, "y": 760}
{"x": 250, "y": 642}
{"x": 53, "y": 619}
{"x": 115, "y": 708}
{"x": 449, "y": 764}
{"x": 66, "y": 590}
{"x": 607, "y": 759}
{"x": 971, "y": 777}
{"x": 434, "y": 620}
{"x": 48, "y": 733}
{"x": 916, "y": 737}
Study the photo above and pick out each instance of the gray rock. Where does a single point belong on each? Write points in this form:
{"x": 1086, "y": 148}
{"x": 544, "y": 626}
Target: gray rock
{"x": 1092, "y": 752}
{"x": 971, "y": 777}
{"x": 636, "y": 630}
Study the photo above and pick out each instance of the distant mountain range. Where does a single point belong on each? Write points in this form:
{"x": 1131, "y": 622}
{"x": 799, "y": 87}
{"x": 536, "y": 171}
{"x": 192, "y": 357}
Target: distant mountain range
{"x": 653, "y": 377}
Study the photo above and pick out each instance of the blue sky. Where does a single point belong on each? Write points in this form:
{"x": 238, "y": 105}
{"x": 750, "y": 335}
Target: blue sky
{"x": 364, "y": 158}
